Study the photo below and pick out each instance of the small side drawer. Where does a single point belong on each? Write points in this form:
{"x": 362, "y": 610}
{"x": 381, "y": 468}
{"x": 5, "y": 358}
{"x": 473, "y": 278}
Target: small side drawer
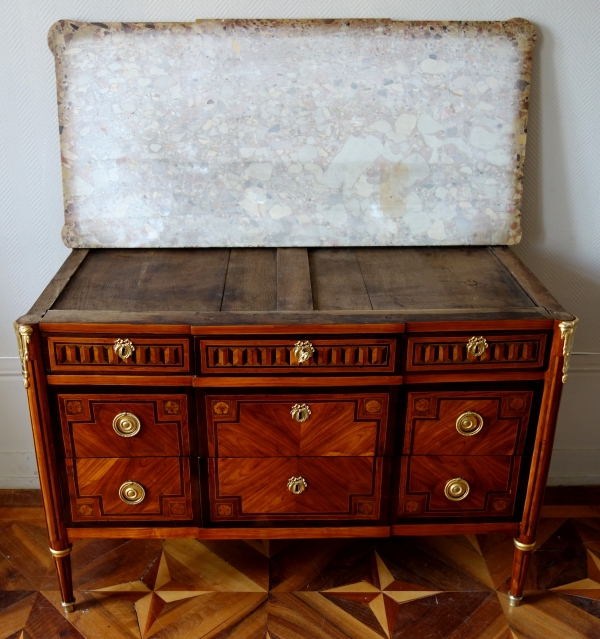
{"x": 458, "y": 352}
{"x": 68, "y": 354}
{"x": 97, "y": 488}
{"x": 124, "y": 425}
{"x": 467, "y": 423}
{"x": 435, "y": 486}
{"x": 302, "y": 424}
{"x": 282, "y": 356}
{"x": 336, "y": 488}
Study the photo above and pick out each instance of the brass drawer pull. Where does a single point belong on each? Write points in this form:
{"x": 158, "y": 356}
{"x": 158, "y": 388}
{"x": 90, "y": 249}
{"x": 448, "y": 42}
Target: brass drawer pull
{"x": 123, "y": 348}
{"x": 303, "y": 351}
{"x": 300, "y": 412}
{"x": 477, "y": 346}
{"x": 126, "y": 425}
{"x": 297, "y": 485}
{"x": 456, "y": 489}
{"x": 131, "y": 492}
{"x": 469, "y": 423}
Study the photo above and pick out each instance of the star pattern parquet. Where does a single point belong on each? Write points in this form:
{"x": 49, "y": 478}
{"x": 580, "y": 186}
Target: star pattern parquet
{"x": 402, "y": 588}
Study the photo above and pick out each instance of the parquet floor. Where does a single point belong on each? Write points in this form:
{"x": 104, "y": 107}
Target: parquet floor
{"x": 413, "y": 588}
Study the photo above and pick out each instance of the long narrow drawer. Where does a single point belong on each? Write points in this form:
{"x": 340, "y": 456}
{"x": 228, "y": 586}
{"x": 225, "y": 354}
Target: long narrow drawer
{"x": 298, "y": 356}
{"x": 458, "y": 486}
{"x": 136, "y": 354}
{"x": 302, "y": 424}
{"x": 481, "y": 351}
{"x": 134, "y": 489}
{"x": 295, "y": 488}
{"x": 467, "y": 423}
{"x": 124, "y": 425}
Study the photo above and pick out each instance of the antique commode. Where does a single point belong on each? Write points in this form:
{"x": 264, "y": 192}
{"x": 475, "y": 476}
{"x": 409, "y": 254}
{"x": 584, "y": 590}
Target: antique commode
{"x": 400, "y": 376}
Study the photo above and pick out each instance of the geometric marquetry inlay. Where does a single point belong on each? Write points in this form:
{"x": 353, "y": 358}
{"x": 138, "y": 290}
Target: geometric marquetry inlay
{"x": 333, "y": 355}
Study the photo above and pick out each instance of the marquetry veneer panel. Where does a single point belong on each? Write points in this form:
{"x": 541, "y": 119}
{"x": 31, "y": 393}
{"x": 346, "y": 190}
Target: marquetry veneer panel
{"x": 77, "y": 354}
{"x": 267, "y": 356}
{"x": 262, "y": 425}
{"x": 87, "y": 425}
{"x": 431, "y": 422}
{"x": 450, "y": 353}
{"x": 492, "y": 480}
{"x": 338, "y": 488}
{"x": 94, "y": 489}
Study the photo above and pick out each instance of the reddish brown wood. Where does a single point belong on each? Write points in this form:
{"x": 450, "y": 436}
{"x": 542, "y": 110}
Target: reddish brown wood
{"x": 83, "y": 354}
{"x": 113, "y": 328}
{"x": 269, "y": 356}
{"x": 492, "y": 481}
{"x": 271, "y": 382}
{"x": 257, "y": 488}
{"x": 46, "y": 461}
{"x": 94, "y": 488}
{"x": 540, "y": 464}
{"x": 289, "y": 532}
{"x": 262, "y": 425}
{"x": 455, "y": 528}
{"x": 119, "y": 380}
{"x": 431, "y": 422}
{"x": 87, "y": 425}
{"x": 483, "y": 376}
{"x": 476, "y": 327}
{"x": 448, "y": 353}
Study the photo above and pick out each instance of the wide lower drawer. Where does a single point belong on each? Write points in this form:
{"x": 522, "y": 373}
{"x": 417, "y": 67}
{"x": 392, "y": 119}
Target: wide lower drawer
{"x": 467, "y": 423}
{"x": 300, "y": 488}
{"x": 376, "y": 355}
{"x": 481, "y": 351}
{"x": 124, "y": 425}
{"x": 125, "y": 354}
{"x": 458, "y": 486}
{"x": 299, "y": 424}
{"x": 135, "y": 489}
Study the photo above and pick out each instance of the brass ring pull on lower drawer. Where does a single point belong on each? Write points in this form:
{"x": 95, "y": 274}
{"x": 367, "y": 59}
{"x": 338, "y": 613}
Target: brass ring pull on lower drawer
{"x": 300, "y": 412}
{"x": 297, "y": 485}
{"x": 456, "y": 489}
{"x": 469, "y": 423}
{"x": 131, "y": 492}
{"x": 126, "y": 425}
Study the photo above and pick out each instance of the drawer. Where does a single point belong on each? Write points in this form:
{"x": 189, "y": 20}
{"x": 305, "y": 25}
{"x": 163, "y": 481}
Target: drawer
{"x": 467, "y": 423}
{"x": 124, "y": 425}
{"x": 435, "y": 486}
{"x": 109, "y": 355}
{"x": 300, "y": 424}
{"x": 298, "y": 355}
{"x": 468, "y": 352}
{"x": 99, "y": 489}
{"x": 255, "y": 488}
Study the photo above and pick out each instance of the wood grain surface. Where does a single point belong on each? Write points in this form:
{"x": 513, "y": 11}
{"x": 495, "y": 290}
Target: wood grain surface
{"x": 262, "y": 425}
{"x": 431, "y": 422}
{"x": 87, "y": 425}
{"x": 94, "y": 488}
{"x": 257, "y": 488}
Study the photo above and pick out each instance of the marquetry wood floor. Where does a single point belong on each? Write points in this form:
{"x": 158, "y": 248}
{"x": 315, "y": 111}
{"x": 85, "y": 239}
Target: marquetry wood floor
{"x": 441, "y": 587}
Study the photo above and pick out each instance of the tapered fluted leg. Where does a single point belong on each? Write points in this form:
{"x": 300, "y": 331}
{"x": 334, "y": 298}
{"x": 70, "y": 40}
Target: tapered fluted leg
{"x": 62, "y": 561}
{"x": 522, "y": 556}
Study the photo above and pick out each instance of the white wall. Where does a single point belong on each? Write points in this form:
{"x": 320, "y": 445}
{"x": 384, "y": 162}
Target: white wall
{"x": 561, "y": 212}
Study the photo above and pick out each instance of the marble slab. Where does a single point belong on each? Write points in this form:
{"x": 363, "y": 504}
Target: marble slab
{"x": 292, "y": 133}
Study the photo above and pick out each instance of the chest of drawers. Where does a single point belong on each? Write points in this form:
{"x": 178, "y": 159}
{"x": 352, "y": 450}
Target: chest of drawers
{"x": 285, "y": 393}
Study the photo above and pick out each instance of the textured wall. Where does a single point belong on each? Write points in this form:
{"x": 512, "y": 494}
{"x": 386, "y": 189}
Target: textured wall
{"x": 561, "y": 208}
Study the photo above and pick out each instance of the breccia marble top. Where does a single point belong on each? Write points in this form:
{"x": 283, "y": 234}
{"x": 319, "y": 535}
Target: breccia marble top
{"x": 292, "y": 133}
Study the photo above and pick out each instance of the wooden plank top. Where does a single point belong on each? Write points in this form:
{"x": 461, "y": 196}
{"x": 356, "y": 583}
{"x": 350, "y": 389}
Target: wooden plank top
{"x": 293, "y": 286}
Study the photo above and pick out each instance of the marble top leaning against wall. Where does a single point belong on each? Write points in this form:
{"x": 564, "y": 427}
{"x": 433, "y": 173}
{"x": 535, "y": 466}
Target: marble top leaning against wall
{"x": 292, "y": 133}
